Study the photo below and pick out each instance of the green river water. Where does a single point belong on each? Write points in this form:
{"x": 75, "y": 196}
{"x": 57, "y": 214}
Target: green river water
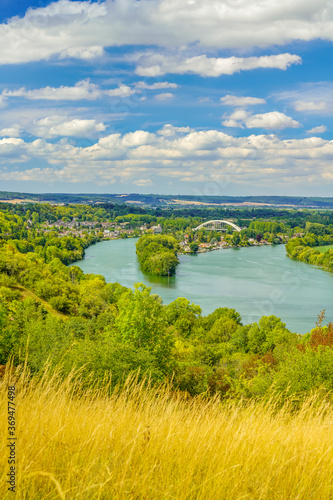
{"x": 256, "y": 281}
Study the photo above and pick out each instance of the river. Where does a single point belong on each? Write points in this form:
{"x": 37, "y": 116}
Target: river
{"x": 256, "y": 281}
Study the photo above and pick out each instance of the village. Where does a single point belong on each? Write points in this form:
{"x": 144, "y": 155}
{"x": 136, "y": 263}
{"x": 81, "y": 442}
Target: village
{"x": 189, "y": 244}
{"x": 224, "y": 242}
{"x": 79, "y": 229}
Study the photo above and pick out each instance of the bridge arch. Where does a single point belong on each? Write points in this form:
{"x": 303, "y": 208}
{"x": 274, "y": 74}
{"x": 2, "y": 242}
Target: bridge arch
{"x": 217, "y": 225}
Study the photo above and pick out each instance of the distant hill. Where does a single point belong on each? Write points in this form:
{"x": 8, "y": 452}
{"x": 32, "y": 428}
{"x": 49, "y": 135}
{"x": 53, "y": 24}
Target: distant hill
{"x": 174, "y": 200}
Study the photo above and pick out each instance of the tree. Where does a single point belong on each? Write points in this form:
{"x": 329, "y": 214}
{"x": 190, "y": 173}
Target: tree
{"x": 269, "y": 333}
{"x": 236, "y": 238}
{"x": 182, "y": 315}
{"x": 162, "y": 263}
{"x": 194, "y": 247}
{"x": 141, "y": 322}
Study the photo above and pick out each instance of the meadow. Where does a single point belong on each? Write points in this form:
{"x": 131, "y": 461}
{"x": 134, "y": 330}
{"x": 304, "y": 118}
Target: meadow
{"x": 144, "y": 443}
{"x": 324, "y": 249}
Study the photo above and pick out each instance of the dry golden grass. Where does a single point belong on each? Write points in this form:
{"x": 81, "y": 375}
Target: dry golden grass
{"x": 143, "y": 444}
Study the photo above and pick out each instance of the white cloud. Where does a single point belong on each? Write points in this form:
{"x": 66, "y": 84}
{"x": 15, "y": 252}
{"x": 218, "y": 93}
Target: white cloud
{"x": 143, "y": 182}
{"x": 57, "y": 126}
{"x": 318, "y": 130}
{"x": 273, "y": 120}
{"x": 236, "y": 119}
{"x": 137, "y": 138}
{"x": 156, "y": 86}
{"x": 11, "y": 141}
{"x": 314, "y": 98}
{"x": 14, "y": 131}
{"x": 84, "y": 53}
{"x": 153, "y": 64}
{"x": 170, "y": 131}
{"x": 86, "y": 28}
{"x": 121, "y": 91}
{"x": 204, "y": 99}
{"x": 164, "y": 97}
{"x": 230, "y": 122}
{"x": 185, "y": 156}
{"x": 12, "y": 150}
{"x": 234, "y": 100}
{"x": 310, "y": 106}
{"x": 83, "y": 90}
{"x": 3, "y": 101}
{"x": 36, "y": 37}
{"x": 77, "y": 128}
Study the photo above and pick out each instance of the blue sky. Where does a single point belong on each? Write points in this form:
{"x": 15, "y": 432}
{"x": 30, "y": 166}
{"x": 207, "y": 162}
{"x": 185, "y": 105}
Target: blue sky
{"x": 198, "y": 97}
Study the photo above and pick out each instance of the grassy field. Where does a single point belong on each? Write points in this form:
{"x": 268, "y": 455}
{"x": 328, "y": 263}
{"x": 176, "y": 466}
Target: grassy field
{"x": 143, "y": 444}
{"x": 324, "y": 249}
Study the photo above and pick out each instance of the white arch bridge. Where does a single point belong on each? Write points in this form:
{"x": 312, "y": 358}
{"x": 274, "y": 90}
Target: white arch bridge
{"x": 217, "y": 225}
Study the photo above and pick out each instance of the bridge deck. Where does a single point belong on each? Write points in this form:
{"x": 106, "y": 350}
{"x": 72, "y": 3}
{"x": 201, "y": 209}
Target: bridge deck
{"x": 217, "y": 225}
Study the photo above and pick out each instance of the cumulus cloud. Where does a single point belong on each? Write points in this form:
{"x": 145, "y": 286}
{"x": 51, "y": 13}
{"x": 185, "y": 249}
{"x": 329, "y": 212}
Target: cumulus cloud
{"x": 317, "y": 130}
{"x": 273, "y": 120}
{"x": 12, "y": 150}
{"x": 57, "y": 126}
{"x": 164, "y": 96}
{"x": 137, "y": 138}
{"x": 153, "y": 64}
{"x": 236, "y": 119}
{"x": 230, "y": 122}
{"x": 83, "y": 90}
{"x": 194, "y": 156}
{"x": 170, "y": 131}
{"x": 14, "y": 131}
{"x": 156, "y": 85}
{"x": 121, "y": 91}
{"x": 87, "y": 28}
{"x": 234, "y": 100}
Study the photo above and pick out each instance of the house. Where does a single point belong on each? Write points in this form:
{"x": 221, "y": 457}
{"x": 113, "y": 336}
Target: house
{"x": 157, "y": 229}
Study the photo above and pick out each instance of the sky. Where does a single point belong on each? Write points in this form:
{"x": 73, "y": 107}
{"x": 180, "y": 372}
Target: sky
{"x": 199, "y": 97}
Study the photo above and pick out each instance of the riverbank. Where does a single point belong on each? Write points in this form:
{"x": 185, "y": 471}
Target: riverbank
{"x": 211, "y": 248}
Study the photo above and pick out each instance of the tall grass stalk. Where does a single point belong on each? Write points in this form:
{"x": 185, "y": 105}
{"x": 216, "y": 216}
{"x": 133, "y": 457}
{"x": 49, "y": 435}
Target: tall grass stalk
{"x": 143, "y": 443}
